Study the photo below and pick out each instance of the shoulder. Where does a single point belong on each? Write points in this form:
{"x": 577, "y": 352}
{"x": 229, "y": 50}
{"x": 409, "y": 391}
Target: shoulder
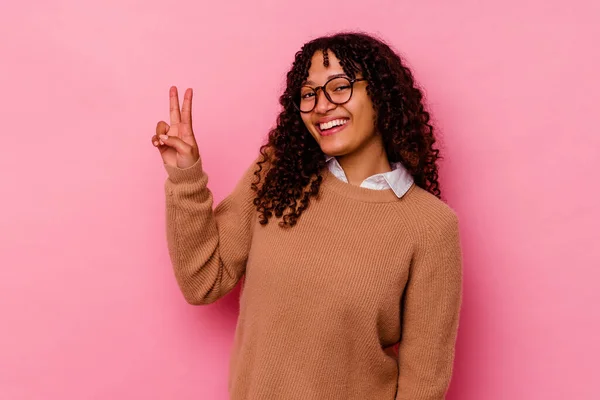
{"x": 431, "y": 204}
{"x": 436, "y": 230}
{"x": 428, "y": 215}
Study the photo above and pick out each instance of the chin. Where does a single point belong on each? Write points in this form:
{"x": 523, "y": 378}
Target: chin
{"x": 332, "y": 147}
{"x": 335, "y": 149}
{"x": 333, "y": 152}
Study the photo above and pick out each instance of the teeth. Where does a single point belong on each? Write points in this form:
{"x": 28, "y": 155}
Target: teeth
{"x": 331, "y": 124}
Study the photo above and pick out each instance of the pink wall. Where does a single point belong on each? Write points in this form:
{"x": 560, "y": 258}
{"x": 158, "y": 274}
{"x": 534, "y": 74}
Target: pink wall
{"x": 89, "y": 307}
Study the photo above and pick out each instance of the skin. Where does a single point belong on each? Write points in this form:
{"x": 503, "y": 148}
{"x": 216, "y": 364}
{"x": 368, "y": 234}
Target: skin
{"x": 358, "y": 147}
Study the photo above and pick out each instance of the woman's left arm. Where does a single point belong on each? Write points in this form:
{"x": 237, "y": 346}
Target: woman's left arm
{"x": 430, "y": 313}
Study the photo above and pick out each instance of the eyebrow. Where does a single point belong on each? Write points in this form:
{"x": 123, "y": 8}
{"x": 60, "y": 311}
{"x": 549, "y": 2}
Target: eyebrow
{"x": 328, "y": 78}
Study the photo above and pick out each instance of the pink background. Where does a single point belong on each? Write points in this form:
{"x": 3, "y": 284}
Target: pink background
{"x": 88, "y": 304}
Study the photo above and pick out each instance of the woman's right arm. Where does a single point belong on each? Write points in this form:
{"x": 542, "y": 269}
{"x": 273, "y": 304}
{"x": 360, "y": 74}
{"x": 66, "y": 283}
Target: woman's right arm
{"x": 208, "y": 249}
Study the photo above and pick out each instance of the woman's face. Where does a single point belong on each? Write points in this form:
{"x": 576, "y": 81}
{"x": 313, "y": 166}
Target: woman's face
{"x": 357, "y": 133}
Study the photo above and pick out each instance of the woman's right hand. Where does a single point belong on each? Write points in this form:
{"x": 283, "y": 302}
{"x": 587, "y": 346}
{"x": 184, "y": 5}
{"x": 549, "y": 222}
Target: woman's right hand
{"x": 176, "y": 143}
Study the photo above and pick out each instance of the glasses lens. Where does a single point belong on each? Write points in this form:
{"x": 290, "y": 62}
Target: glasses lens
{"x": 307, "y": 100}
{"x": 339, "y": 90}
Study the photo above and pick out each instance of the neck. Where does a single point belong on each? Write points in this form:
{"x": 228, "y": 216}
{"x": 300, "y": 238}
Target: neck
{"x": 362, "y": 164}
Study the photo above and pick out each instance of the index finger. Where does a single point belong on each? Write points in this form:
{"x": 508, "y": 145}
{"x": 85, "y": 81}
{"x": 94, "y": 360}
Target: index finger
{"x": 186, "y": 111}
{"x": 174, "y": 106}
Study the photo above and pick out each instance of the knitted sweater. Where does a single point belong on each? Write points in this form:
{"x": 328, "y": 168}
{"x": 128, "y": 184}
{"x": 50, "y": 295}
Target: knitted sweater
{"x": 324, "y": 303}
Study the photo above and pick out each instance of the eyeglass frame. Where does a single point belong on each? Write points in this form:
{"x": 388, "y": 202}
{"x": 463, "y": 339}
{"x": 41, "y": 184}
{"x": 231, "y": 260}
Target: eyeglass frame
{"x": 322, "y": 87}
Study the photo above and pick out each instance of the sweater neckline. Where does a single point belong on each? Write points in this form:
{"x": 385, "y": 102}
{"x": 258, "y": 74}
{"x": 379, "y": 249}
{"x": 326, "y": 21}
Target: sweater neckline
{"x": 358, "y": 193}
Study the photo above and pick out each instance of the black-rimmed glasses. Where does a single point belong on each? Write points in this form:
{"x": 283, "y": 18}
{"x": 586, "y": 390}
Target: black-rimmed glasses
{"x": 338, "y": 91}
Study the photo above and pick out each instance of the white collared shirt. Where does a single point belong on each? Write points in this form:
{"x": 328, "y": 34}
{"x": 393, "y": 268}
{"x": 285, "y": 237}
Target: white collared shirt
{"x": 399, "y": 179}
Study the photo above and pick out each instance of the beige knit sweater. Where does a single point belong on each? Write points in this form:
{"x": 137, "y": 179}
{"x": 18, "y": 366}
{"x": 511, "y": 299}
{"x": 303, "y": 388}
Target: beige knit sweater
{"x": 324, "y": 303}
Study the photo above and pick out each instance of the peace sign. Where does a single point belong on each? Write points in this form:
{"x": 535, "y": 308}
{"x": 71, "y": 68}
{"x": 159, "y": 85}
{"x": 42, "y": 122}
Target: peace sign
{"x": 176, "y": 143}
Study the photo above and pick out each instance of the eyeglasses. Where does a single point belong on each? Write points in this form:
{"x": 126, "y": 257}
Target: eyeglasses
{"x": 338, "y": 91}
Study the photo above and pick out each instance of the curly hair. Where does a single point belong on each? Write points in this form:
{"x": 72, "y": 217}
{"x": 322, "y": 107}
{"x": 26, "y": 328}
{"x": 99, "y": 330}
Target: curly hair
{"x": 294, "y": 158}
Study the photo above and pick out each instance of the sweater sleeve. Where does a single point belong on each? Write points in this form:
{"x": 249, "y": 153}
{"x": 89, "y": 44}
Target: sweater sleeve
{"x": 208, "y": 248}
{"x": 430, "y": 311}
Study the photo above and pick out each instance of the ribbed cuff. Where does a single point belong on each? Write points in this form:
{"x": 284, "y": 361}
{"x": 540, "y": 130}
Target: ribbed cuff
{"x": 183, "y": 175}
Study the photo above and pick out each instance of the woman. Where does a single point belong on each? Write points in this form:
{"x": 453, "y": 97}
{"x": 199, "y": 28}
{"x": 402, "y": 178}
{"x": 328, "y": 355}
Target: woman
{"x": 346, "y": 248}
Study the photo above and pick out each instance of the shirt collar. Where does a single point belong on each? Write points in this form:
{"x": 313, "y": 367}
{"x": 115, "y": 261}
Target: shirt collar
{"x": 399, "y": 179}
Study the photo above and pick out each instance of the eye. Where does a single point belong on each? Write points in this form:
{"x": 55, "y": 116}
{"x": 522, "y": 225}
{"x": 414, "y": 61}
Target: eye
{"x": 340, "y": 88}
{"x": 307, "y": 95}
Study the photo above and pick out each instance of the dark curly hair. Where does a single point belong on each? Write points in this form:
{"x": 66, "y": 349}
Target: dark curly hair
{"x": 295, "y": 160}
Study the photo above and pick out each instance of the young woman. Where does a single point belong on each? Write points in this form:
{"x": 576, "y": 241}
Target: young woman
{"x": 338, "y": 227}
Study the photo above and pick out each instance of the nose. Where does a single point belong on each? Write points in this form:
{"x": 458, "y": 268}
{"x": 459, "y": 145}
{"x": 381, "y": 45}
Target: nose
{"x": 323, "y": 104}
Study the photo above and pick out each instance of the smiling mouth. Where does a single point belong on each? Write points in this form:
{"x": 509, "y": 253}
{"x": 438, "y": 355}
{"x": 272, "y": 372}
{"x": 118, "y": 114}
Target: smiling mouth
{"x": 331, "y": 127}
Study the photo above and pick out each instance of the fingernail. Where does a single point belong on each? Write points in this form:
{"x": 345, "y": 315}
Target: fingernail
{"x": 161, "y": 143}
{"x": 164, "y": 137}
{"x": 155, "y": 143}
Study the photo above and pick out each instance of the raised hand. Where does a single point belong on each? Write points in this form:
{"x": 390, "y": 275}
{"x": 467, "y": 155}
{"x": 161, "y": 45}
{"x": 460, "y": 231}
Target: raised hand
{"x": 176, "y": 143}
